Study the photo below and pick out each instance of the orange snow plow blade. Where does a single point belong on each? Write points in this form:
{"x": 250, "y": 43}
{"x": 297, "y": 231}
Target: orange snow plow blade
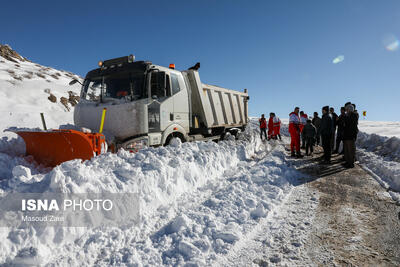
{"x": 51, "y": 148}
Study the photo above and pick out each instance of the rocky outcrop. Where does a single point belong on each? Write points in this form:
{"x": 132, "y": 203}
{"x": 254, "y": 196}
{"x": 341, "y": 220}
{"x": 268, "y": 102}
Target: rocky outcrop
{"x": 8, "y": 53}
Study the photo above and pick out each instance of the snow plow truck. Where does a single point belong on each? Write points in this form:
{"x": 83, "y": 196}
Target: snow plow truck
{"x": 132, "y": 104}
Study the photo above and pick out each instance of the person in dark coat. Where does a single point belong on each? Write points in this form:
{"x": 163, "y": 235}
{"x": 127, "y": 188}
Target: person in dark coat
{"x": 316, "y": 121}
{"x": 310, "y": 133}
{"x": 334, "y": 119}
{"x": 349, "y": 136}
{"x": 326, "y": 133}
{"x": 340, "y": 129}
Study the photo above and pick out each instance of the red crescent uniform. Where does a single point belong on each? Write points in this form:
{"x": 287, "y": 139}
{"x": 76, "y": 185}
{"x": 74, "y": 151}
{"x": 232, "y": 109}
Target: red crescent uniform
{"x": 294, "y": 130}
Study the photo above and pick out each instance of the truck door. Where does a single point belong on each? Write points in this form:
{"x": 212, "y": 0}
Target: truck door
{"x": 180, "y": 100}
{"x": 160, "y": 91}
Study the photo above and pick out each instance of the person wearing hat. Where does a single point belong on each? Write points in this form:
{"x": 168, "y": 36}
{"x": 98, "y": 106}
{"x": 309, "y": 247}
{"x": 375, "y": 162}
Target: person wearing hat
{"x": 326, "y": 130}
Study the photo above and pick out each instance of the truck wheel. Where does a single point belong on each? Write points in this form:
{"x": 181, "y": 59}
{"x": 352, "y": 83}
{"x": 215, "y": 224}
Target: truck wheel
{"x": 174, "y": 135}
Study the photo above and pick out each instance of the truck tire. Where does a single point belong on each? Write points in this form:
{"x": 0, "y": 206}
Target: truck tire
{"x": 174, "y": 135}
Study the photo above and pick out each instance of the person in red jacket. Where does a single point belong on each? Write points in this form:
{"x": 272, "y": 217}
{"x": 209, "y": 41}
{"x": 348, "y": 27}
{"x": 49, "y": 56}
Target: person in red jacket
{"x": 294, "y": 130}
{"x": 277, "y": 127}
{"x": 263, "y": 126}
{"x": 271, "y": 127}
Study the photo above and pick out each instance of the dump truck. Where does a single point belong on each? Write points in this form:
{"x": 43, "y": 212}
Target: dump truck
{"x": 146, "y": 105}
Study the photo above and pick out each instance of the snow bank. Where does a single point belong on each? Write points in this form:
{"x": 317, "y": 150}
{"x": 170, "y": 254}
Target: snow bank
{"x": 382, "y": 128}
{"x": 381, "y": 155}
{"x": 197, "y": 200}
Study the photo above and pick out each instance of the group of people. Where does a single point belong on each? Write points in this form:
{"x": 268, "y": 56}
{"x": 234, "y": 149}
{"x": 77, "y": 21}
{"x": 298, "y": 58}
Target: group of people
{"x": 344, "y": 127}
{"x": 273, "y": 125}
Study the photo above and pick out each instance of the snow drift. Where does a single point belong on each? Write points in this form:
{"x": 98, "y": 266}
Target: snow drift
{"x": 381, "y": 155}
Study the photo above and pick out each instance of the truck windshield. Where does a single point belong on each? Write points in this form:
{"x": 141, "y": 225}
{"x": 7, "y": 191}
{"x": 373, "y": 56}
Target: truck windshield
{"x": 126, "y": 85}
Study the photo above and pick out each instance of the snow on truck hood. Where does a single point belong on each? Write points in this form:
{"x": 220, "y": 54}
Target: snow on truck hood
{"x": 122, "y": 120}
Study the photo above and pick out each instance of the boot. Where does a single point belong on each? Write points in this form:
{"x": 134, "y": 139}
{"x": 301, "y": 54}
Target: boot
{"x": 299, "y": 155}
{"x": 293, "y": 154}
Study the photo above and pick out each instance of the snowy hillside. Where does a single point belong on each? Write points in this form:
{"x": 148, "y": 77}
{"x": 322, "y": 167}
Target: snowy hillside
{"x": 25, "y": 88}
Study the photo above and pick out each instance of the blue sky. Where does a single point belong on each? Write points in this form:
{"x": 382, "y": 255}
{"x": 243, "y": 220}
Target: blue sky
{"x": 282, "y": 51}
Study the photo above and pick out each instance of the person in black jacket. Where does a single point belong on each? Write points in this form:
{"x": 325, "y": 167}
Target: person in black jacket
{"x": 340, "y": 129}
{"x": 334, "y": 119}
{"x": 309, "y": 133}
{"x": 349, "y": 136}
{"x": 316, "y": 121}
{"x": 326, "y": 131}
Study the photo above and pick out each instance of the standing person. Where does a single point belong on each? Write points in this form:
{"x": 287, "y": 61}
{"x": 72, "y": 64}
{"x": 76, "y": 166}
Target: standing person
{"x": 263, "y": 126}
{"x": 277, "y": 127}
{"x": 326, "y": 133}
{"x": 340, "y": 129}
{"x": 317, "y": 123}
{"x": 349, "y": 136}
{"x": 271, "y": 126}
{"x": 294, "y": 130}
{"x": 358, "y": 116}
{"x": 334, "y": 118}
{"x": 310, "y": 133}
{"x": 303, "y": 122}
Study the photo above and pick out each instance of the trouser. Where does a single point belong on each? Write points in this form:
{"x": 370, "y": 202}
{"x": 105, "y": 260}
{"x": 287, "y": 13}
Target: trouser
{"x": 295, "y": 141}
{"x": 277, "y": 131}
{"x": 326, "y": 145}
{"x": 309, "y": 145}
{"x": 270, "y": 133}
{"x": 349, "y": 147}
{"x": 318, "y": 139}
{"x": 263, "y": 131}
{"x": 333, "y": 139}
{"x": 303, "y": 140}
{"x": 339, "y": 138}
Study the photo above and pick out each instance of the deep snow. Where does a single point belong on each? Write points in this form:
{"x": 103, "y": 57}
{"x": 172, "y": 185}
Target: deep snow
{"x": 197, "y": 200}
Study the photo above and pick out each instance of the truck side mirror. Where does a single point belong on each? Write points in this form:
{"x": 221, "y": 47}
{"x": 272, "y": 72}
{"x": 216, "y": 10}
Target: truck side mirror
{"x": 74, "y": 81}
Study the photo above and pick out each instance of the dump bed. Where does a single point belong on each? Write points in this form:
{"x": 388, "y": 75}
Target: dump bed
{"x": 215, "y": 106}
